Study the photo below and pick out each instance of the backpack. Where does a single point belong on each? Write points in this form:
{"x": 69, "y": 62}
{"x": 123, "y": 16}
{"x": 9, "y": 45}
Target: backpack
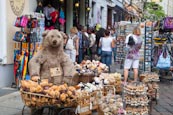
{"x": 131, "y": 41}
{"x": 85, "y": 41}
{"x": 70, "y": 45}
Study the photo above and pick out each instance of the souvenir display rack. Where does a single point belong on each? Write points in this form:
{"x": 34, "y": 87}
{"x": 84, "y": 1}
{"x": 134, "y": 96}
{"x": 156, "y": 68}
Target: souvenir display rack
{"x": 27, "y": 46}
{"x": 120, "y": 44}
{"x": 136, "y": 99}
{"x": 148, "y": 46}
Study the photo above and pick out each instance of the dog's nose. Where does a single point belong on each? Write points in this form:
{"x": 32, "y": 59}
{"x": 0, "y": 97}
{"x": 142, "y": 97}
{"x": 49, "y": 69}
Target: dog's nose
{"x": 54, "y": 42}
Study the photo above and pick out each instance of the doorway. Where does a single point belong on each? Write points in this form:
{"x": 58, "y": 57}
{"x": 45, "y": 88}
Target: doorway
{"x": 109, "y": 17}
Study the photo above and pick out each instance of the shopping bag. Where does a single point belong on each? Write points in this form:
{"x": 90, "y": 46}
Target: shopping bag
{"x": 164, "y": 62}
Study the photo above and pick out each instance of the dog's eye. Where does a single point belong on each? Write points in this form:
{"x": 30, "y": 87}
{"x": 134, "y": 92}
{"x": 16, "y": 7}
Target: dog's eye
{"x": 58, "y": 36}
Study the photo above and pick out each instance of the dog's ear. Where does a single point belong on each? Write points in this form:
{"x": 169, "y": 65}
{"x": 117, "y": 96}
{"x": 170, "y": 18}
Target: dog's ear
{"x": 45, "y": 33}
{"x": 63, "y": 35}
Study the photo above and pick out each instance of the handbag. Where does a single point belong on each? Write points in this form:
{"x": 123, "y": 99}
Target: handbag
{"x": 17, "y": 22}
{"x": 33, "y": 37}
{"x": 164, "y": 62}
{"x": 32, "y": 23}
{"x": 99, "y": 52}
{"x": 168, "y": 23}
{"x": 24, "y": 21}
{"x": 131, "y": 41}
{"x": 20, "y": 37}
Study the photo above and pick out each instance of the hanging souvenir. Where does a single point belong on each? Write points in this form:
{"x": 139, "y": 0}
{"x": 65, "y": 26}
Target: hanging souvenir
{"x": 62, "y": 15}
{"x": 164, "y": 61}
{"x": 168, "y": 23}
{"x": 61, "y": 21}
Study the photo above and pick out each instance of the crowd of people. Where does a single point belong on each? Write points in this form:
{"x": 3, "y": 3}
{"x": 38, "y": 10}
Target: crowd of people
{"x": 84, "y": 43}
{"x": 100, "y": 44}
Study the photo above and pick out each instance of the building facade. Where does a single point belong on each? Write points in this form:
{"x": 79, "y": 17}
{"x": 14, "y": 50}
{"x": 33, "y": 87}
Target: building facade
{"x": 167, "y": 7}
{"x": 8, "y": 11}
{"x": 101, "y": 12}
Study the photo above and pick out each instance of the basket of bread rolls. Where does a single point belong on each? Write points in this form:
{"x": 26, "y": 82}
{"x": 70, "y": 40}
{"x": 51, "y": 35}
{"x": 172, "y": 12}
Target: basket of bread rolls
{"x": 36, "y": 94}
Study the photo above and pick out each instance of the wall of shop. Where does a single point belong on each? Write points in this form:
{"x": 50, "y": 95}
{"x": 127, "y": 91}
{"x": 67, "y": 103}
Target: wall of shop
{"x": 7, "y": 32}
{"x": 98, "y": 13}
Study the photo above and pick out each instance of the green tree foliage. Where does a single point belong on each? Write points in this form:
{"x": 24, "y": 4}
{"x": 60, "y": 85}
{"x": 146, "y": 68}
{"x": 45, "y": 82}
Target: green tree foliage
{"x": 153, "y": 11}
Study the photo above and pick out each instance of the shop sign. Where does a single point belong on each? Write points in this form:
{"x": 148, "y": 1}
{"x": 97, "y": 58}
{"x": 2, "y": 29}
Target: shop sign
{"x": 17, "y": 6}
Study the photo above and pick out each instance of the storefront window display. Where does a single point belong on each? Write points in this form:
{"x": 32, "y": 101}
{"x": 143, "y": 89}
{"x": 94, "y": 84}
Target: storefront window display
{"x": 87, "y": 10}
{"x": 81, "y": 11}
{"x": 76, "y": 12}
{"x": 54, "y": 11}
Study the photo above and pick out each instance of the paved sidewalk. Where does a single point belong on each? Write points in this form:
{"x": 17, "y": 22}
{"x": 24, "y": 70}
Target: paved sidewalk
{"x": 165, "y": 103}
{"x": 6, "y": 90}
{"x": 12, "y": 104}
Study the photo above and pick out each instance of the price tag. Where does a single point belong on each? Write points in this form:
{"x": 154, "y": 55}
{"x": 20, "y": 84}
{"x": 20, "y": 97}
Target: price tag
{"x": 55, "y": 71}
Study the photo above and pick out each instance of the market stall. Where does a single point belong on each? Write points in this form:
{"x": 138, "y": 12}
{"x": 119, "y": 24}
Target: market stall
{"x": 102, "y": 94}
{"x": 61, "y": 86}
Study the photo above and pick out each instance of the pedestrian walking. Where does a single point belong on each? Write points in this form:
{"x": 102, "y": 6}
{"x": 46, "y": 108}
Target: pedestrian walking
{"x": 114, "y": 35}
{"x": 72, "y": 44}
{"x": 80, "y": 35}
{"x": 106, "y": 44}
{"x": 92, "y": 47}
{"x": 85, "y": 43}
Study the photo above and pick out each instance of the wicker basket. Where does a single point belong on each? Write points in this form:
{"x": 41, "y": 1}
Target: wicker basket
{"x": 40, "y": 100}
{"x": 109, "y": 89}
{"x": 100, "y": 112}
{"x": 86, "y": 78}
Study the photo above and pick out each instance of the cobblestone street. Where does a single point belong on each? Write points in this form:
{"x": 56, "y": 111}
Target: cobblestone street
{"x": 165, "y": 103}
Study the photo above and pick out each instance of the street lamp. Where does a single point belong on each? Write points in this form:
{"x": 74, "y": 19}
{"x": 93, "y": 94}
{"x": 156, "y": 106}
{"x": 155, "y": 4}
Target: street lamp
{"x": 77, "y": 4}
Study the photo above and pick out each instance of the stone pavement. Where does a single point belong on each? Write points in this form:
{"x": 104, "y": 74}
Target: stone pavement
{"x": 5, "y": 91}
{"x": 165, "y": 103}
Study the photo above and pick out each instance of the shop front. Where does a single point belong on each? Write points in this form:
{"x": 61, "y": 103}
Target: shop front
{"x": 81, "y": 11}
{"x": 65, "y": 13}
{"x": 12, "y": 9}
